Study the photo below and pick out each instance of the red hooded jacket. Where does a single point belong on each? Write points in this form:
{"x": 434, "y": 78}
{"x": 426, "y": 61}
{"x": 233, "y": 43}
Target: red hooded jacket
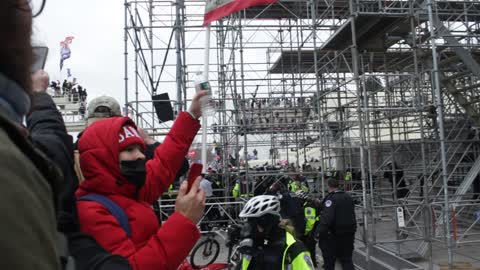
{"x": 150, "y": 246}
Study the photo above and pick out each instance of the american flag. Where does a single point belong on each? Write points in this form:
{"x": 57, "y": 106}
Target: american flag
{"x": 65, "y": 52}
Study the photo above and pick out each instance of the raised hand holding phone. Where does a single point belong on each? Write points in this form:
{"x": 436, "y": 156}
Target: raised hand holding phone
{"x": 195, "y": 171}
{"x": 191, "y": 202}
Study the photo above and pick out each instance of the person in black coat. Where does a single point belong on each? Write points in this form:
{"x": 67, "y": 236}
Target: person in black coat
{"x": 49, "y": 134}
{"x": 337, "y": 227}
{"x": 29, "y": 180}
{"x": 290, "y": 205}
{"x": 401, "y": 184}
{"x": 65, "y": 87}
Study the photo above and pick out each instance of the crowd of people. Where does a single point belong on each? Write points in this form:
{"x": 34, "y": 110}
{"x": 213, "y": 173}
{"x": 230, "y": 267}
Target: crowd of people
{"x": 263, "y": 114}
{"x": 88, "y": 205}
{"x": 75, "y": 92}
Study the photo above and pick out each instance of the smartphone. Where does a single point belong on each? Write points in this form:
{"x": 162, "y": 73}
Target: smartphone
{"x": 195, "y": 171}
{"x": 40, "y": 54}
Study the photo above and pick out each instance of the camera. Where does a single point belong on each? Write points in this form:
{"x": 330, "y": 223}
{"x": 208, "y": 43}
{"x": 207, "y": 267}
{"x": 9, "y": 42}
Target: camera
{"x": 238, "y": 232}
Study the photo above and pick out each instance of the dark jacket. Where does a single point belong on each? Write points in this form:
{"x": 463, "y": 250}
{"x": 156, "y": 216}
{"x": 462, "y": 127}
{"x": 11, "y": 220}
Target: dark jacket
{"x": 338, "y": 215}
{"x": 291, "y": 208}
{"x": 28, "y": 183}
{"x": 49, "y": 134}
{"x": 402, "y": 189}
{"x": 26, "y": 204}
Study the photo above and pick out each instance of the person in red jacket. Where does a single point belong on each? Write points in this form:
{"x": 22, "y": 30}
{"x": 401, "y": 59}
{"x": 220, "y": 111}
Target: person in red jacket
{"x": 114, "y": 166}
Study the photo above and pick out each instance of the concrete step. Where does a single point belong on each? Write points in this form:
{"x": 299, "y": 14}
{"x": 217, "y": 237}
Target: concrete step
{"x": 69, "y": 107}
{"x": 381, "y": 259}
{"x": 458, "y": 266}
{"x": 75, "y": 126}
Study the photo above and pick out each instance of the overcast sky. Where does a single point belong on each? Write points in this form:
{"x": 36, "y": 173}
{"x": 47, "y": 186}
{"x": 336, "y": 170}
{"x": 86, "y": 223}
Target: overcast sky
{"x": 97, "y": 50}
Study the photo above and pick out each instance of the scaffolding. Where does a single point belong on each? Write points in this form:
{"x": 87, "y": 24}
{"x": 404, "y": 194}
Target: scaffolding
{"x": 381, "y": 89}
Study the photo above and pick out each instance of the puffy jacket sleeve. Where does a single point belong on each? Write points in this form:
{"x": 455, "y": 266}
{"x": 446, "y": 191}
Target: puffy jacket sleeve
{"x": 49, "y": 134}
{"x": 169, "y": 157}
{"x": 150, "y": 153}
{"x": 164, "y": 250}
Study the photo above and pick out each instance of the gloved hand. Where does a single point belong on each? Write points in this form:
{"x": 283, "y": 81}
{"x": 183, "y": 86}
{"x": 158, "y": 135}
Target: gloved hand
{"x": 246, "y": 247}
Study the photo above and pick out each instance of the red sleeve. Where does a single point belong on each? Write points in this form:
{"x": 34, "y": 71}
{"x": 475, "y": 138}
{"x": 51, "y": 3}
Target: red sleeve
{"x": 168, "y": 158}
{"x": 166, "y": 249}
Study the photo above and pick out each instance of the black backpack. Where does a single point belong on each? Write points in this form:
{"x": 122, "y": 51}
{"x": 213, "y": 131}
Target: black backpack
{"x": 86, "y": 251}
{"x": 89, "y": 255}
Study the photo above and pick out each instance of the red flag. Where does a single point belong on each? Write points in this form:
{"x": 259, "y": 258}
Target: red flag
{"x": 68, "y": 40}
{"x": 217, "y": 9}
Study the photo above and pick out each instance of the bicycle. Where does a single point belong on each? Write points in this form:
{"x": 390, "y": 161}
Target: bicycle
{"x": 207, "y": 251}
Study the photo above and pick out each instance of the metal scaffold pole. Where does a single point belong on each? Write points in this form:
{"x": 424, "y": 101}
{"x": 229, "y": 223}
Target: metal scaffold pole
{"x": 242, "y": 83}
{"x": 125, "y": 40}
{"x": 153, "y": 88}
{"x": 222, "y": 90}
{"x": 317, "y": 90}
{"x": 441, "y": 130}
{"x": 136, "y": 45}
{"x": 360, "y": 112}
{"x": 427, "y": 215}
{"x": 178, "y": 44}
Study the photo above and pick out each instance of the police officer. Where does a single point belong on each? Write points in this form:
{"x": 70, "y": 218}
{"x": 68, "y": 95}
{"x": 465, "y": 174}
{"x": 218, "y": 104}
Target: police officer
{"x": 294, "y": 185}
{"x": 348, "y": 180}
{"x": 337, "y": 227}
{"x": 272, "y": 247}
{"x": 311, "y": 220}
{"x": 236, "y": 189}
{"x": 304, "y": 187}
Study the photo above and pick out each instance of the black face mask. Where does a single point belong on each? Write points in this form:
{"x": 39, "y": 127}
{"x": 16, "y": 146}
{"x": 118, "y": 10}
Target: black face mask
{"x": 134, "y": 171}
{"x": 250, "y": 230}
{"x": 268, "y": 223}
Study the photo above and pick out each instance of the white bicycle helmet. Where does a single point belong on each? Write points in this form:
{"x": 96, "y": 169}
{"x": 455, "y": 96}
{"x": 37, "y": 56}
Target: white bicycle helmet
{"x": 301, "y": 194}
{"x": 261, "y": 205}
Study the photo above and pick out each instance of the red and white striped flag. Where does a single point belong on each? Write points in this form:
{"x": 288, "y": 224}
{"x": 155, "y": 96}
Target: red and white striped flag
{"x": 217, "y": 9}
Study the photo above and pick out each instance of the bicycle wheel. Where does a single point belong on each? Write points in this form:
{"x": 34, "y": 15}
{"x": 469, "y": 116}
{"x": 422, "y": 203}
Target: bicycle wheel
{"x": 205, "y": 253}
